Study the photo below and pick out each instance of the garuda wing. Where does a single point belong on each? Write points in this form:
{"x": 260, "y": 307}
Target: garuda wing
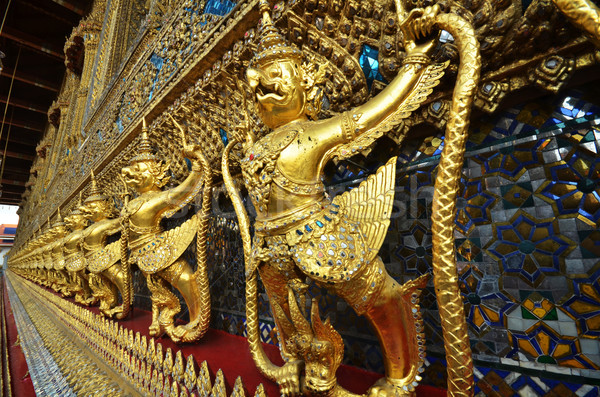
{"x": 165, "y": 248}
{"x": 103, "y": 258}
{"x": 370, "y": 206}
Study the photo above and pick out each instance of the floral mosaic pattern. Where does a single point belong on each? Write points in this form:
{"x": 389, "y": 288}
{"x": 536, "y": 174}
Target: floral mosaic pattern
{"x": 529, "y": 247}
{"x": 574, "y": 186}
{"x": 584, "y": 305}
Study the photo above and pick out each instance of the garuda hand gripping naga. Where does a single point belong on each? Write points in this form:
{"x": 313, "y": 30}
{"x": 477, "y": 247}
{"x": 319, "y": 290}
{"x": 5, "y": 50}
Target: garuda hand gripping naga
{"x": 52, "y": 256}
{"x": 158, "y": 253}
{"x": 300, "y": 232}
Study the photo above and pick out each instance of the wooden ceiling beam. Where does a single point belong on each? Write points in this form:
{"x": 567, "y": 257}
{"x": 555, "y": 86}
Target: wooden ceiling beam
{"x": 48, "y": 12}
{"x": 13, "y": 182}
{"x": 70, "y": 6}
{"x": 31, "y": 42}
{"x": 30, "y": 79}
{"x": 34, "y": 107}
{"x": 15, "y": 138}
{"x": 25, "y": 124}
{"x": 16, "y": 155}
{"x": 16, "y": 171}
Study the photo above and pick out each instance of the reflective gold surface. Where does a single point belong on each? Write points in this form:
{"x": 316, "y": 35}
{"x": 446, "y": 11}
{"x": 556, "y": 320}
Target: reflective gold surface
{"x": 302, "y": 232}
{"x": 158, "y": 253}
{"x": 299, "y": 230}
{"x": 584, "y": 14}
{"x": 107, "y": 277}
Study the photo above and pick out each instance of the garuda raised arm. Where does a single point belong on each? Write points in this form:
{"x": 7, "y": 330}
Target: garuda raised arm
{"x": 63, "y": 280}
{"x": 73, "y": 254}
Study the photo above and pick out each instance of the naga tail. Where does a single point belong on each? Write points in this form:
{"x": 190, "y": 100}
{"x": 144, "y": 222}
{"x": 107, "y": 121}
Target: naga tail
{"x": 451, "y": 307}
{"x": 265, "y": 366}
{"x": 126, "y": 270}
{"x": 201, "y": 272}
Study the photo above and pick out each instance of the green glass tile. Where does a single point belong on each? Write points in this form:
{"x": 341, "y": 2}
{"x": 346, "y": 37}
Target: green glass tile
{"x": 474, "y": 299}
{"x": 527, "y": 314}
{"x": 528, "y": 203}
{"x": 546, "y": 360}
{"x": 505, "y": 189}
{"x": 589, "y": 137}
{"x": 523, "y": 294}
{"x": 551, "y": 316}
{"x": 587, "y": 254}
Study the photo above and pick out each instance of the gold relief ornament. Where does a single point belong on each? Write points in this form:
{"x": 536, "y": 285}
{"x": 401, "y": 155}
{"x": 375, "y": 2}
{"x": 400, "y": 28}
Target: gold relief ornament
{"x": 300, "y": 232}
{"x": 584, "y": 14}
{"x": 43, "y": 241}
{"x": 108, "y": 278}
{"x": 73, "y": 254}
{"x": 158, "y": 253}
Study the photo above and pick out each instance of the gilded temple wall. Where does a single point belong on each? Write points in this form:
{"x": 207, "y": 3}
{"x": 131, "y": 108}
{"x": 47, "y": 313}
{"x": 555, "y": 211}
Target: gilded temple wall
{"x": 528, "y": 211}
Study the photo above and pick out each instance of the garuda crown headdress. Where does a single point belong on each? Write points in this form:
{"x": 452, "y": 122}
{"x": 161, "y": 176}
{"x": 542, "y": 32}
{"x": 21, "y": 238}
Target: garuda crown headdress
{"x": 95, "y": 191}
{"x": 144, "y": 149}
{"x": 272, "y": 46}
{"x": 59, "y": 221}
{"x": 76, "y": 210}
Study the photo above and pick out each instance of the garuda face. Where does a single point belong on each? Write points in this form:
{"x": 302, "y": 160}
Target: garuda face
{"x": 96, "y": 210}
{"x": 75, "y": 221}
{"x": 280, "y": 95}
{"x": 140, "y": 176}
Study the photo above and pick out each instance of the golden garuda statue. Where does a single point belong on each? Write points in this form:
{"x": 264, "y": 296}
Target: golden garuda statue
{"x": 62, "y": 279}
{"x": 73, "y": 255}
{"x": 45, "y": 255}
{"x": 300, "y": 232}
{"x": 108, "y": 277}
{"x": 158, "y": 253}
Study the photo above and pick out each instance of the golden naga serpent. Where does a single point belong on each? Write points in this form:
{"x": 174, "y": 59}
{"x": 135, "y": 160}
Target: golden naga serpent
{"x": 126, "y": 266}
{"x": 201, "y": 272}
{"x": 445, "y": 274}
{"x": 454, "y": 326}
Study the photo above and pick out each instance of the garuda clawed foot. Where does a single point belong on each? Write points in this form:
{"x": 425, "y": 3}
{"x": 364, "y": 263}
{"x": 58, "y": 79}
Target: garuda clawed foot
{"x": 117, "y": 312}
{"x": 288, "y": 378}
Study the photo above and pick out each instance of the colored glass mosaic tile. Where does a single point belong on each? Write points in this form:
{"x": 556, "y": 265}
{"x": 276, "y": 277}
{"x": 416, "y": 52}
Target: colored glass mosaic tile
{"x": 218, "y": 7}
{"x": 584, "y": 305}
{"x": 529, "y": 247}
{"x": 370, "y": 64}
{"x": 574, "y": 186}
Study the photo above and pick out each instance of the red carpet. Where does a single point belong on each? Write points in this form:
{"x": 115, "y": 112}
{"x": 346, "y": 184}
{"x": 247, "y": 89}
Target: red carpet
{"x": 21, "y": 382}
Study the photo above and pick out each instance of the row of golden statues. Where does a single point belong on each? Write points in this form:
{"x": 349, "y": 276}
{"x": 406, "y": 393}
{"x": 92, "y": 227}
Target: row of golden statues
{"x": 299, "y": 231}
{"x": 74, "y": 258}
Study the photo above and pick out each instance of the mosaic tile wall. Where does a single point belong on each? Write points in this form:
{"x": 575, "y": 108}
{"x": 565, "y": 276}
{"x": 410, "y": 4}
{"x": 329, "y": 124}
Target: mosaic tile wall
{"x": 527, "y": 241}
{"x": 528, "y": 246}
